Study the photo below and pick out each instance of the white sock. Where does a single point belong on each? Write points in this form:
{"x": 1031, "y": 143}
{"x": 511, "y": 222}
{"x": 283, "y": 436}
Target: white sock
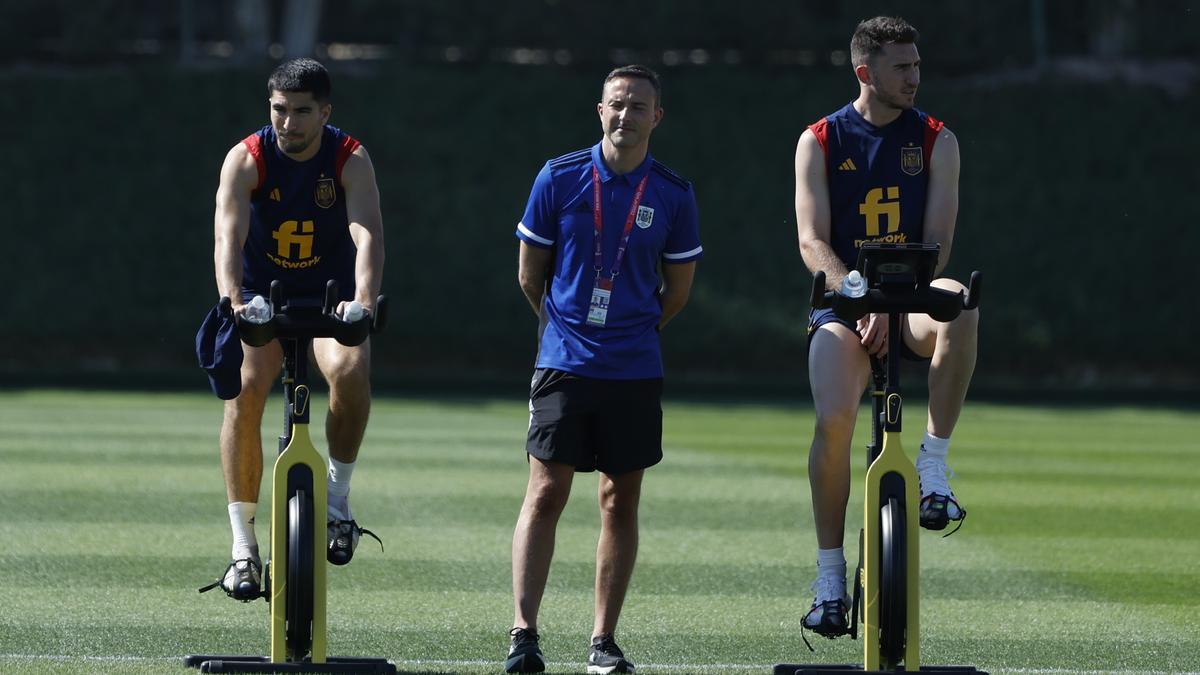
{"x": 339, "y": 488}
{"x": 831, "y": 562}
{"x": 241, "y": 521}
{"x": 933, "y": 446}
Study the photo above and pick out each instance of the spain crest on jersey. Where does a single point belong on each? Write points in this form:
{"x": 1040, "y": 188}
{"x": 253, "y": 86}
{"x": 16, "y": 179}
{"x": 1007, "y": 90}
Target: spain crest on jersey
{"x": 326, "y": 193}
{"x": 911, "y": 160}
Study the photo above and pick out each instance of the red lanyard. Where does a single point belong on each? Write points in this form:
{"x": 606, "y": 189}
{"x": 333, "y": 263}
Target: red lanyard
{"x": 599, "y": 222}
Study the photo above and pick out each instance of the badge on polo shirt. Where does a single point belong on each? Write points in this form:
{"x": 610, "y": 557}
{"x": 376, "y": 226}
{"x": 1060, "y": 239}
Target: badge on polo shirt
{"x": 645, "y": 217}
{"x": 598, "y": 309}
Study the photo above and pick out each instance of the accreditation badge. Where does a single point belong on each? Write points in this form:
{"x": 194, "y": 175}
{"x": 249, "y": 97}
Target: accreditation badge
{"x": 598, "y": 309}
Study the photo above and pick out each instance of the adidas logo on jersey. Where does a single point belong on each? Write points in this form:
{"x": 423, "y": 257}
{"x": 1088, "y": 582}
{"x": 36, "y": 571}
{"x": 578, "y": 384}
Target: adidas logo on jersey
{"x": 847, "y": 165}
{"x": 275, "y": 194}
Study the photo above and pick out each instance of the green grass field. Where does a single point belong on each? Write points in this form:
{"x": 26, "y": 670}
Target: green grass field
{"x": 1079, "y": 555}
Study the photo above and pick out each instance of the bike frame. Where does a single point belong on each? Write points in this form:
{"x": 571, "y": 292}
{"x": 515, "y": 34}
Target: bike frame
{"x": 889, "y": 474}
{"x": 298, "y": 467}
{"x": 899, "y": 280}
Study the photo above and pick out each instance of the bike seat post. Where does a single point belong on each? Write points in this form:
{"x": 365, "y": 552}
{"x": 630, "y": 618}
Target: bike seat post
{"x": 878, "y": 381}
{"x": 295, "y": 375}
{"x": 892, "y": 401}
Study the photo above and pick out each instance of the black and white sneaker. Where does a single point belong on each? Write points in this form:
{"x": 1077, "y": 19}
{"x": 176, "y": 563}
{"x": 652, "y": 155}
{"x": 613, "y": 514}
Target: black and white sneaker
{"x": 343, "y": 539}
{"x": 827, "y": 616}
{"x": 524, "y": 655}
{"x": 938, "y": 505}
{"x": 343, "y": 532}
{"x": 242, "y": 580}
{"x": 606, "y": 657}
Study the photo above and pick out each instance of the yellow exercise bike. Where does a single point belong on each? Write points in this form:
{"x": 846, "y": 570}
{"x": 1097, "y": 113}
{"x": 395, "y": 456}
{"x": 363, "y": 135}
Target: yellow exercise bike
{"x": 887, "y": 580}
{"x": 294, "y": 576}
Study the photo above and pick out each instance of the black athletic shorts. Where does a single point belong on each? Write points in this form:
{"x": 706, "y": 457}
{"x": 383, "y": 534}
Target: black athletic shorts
{"x": 614, "y": 426}
{"x": 820, "y": 317}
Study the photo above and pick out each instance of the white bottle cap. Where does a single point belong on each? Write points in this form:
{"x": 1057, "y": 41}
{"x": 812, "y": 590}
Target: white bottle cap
{"x": 353, "y": 312}
{"x": 854, "y": 286}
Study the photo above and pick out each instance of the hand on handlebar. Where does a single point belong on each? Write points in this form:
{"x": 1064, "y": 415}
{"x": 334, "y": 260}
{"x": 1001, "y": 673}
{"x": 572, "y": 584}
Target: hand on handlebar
{"x": 874, "y": 331}
{"x": 340, "y": 310}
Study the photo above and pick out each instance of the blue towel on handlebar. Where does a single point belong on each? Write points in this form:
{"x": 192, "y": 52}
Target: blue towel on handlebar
{"x": 219, "y": 350}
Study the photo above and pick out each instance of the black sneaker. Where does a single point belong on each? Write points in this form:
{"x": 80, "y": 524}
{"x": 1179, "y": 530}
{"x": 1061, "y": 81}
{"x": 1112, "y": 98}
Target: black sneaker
{"x": 524, "y": 655}
{"x": 242, "y": 580}
{"x": 606, "y": 657}
{"x": 343, "y": 539}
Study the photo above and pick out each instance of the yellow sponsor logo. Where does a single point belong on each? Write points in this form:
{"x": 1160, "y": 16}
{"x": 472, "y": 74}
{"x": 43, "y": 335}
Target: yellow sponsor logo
{"x": 875, "y": 207}
{"x": 897, "y": 238}
{"x": 295, "y": 236}
{"x": 294, "y": 264}
{"x": 848, "y": 165}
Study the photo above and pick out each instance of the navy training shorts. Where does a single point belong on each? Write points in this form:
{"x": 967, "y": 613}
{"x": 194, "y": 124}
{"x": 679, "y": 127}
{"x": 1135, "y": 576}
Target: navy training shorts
{"x": 820, "y": 317}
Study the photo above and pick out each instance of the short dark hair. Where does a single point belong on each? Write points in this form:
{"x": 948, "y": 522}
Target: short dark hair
{"x": 871, "y": 35}
{"x": 300, "y": 75}
{"x": 639, "y": 72}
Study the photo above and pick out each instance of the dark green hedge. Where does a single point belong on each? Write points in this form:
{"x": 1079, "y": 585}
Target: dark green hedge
{"x": 1077, "y": 203}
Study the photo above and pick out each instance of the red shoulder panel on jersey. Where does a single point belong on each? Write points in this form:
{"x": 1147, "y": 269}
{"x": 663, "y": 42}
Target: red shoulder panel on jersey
{"x": 253, "y": 143}
{"x": 347, "y": 148}
{"x": 933, "y": 127}
{"x": 820, "y": 129}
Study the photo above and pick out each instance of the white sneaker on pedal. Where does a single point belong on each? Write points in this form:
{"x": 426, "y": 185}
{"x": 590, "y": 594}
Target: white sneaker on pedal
{"x": 938, "y": 503}
{"x": 830, "y": 606}
{"x": 242, "y": 579}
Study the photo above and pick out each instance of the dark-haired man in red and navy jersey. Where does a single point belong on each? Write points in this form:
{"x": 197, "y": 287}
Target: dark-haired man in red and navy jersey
{"x": 297, "y": 202}
{"x": 877, "y": 170}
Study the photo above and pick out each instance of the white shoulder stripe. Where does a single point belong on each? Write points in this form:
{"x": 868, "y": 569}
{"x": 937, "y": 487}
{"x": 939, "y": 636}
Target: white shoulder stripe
{"x": 685, "y": 254}
{"x": 529, "y": 233}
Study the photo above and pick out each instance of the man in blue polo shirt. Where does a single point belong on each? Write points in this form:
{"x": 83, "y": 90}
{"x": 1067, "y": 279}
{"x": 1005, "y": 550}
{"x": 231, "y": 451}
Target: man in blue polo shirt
{"x": 609, "y": 244}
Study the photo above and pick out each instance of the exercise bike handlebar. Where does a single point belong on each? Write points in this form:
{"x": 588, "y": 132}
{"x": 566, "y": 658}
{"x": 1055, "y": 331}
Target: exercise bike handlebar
{"x": 938, "y": 303}
{"x": 312, "y": 321}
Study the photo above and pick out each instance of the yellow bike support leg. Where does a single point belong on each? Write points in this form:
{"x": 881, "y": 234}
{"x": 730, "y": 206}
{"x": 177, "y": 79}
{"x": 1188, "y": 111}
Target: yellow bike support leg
{"x": 300, "y": 451}
{"x": 891, "y": 460}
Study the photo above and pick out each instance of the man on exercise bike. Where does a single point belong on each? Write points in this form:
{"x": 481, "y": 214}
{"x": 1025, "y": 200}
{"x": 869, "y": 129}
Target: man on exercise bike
{"x": 877, "y": 170}
{"x": 297, "y": 202}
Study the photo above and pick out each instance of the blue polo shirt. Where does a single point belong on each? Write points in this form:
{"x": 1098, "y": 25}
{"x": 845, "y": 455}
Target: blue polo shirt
{"x": 559, "y": 217}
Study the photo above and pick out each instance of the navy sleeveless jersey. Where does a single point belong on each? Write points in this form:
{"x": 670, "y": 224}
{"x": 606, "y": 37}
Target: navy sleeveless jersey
{"x": 299, "y": 231}
{"x": 878, "y": 178}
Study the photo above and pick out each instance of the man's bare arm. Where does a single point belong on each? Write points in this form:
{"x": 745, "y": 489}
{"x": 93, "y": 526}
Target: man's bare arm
{"x": 231, "y": 222}
{"x": 813, "y": 211}
{"x": 533, "y": 269}
{"x": 677, "y": 286}
{"x": 941, "y": 202}
{"x": 366, "y": 225}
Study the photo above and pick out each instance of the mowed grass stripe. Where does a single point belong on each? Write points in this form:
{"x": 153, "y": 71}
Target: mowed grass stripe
{"x": 171, "y": 502}
{"x": 652, "y": 578}
{"x": 85, "y": 506}
{"x": 731, "y": 635}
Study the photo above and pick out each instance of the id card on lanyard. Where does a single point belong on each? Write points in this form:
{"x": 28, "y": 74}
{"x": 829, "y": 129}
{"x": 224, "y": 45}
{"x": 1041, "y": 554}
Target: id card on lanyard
{"x": 602, "y": 290}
